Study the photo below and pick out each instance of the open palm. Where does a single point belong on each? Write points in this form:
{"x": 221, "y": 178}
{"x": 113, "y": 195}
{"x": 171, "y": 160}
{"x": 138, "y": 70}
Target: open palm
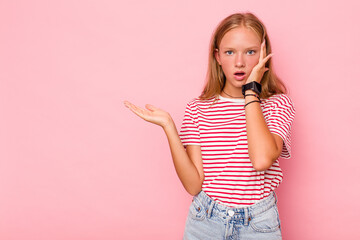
{"x": 151, "y": 114}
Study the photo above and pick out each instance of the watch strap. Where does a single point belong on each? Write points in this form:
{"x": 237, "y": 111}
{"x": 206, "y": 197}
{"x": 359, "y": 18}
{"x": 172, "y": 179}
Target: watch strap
{"x": 254, "y": 86}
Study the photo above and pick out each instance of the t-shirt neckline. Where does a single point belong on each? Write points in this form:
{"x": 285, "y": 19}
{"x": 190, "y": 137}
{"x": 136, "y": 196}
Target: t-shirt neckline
{"x": 237, "y": 100}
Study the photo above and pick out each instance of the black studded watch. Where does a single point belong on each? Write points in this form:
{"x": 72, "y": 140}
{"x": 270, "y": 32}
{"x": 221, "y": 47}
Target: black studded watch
{"x": 254, "y": 86}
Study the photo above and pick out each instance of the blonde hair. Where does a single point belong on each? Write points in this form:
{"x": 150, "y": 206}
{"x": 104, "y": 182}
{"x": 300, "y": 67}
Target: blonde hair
{"x": 215, "y": 78}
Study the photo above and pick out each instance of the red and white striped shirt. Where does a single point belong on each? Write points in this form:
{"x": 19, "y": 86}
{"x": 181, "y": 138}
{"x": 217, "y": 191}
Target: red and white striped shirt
{"x": 220, "y": 129}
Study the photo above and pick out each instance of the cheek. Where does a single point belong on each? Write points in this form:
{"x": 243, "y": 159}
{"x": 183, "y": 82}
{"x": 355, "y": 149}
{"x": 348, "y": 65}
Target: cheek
{"x": 227, "y": 68}
{"x": 253, "y": 61}
{"x": 226, "y": 63}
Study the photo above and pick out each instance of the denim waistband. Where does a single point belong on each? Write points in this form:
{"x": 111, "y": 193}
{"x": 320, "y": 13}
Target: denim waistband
{"x": 247, "y": 212}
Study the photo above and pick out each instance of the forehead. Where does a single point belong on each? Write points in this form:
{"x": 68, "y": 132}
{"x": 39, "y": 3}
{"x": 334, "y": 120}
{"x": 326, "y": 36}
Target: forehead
{"x": 240, "y": 37}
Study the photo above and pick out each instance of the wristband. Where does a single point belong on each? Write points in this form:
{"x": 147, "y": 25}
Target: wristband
{"x": 251, "y": 102}
{"x": 254, "y": 86}
{"x": 253, "y": 95}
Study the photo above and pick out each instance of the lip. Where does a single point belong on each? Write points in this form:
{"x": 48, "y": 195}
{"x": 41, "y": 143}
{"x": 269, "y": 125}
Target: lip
{"x": 240, "y": 77}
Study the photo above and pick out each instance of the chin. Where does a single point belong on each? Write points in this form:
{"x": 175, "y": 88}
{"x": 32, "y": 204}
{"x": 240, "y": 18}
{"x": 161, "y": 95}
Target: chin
{"x": 239, "y": 84}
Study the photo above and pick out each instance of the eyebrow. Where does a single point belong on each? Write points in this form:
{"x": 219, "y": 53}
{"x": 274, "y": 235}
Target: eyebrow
{"x": 252, "y": 47}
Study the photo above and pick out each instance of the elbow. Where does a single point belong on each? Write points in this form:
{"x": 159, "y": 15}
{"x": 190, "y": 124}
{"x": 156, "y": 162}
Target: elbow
{"x": 195, "y": 189}
{"x": 194, "y": 192}
{"x": 263, "y": 164}
{"x": 260, "y": 168}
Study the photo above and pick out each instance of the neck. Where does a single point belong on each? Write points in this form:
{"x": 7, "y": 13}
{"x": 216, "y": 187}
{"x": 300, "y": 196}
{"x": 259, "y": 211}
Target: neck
{"x": 227, "y": 93}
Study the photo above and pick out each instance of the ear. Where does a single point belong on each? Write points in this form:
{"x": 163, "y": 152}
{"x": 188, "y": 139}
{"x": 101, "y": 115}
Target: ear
{"x": 217, "y": 56}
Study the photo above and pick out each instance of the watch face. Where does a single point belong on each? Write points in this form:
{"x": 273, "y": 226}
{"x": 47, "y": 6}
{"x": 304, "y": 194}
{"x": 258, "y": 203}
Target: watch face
{"x": 255, "y": 86}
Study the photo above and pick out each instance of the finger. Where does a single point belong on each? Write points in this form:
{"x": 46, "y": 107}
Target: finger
{"x": 268, "y": 57}
{"x": 129, "y": 104}
{"x": 151, "y": 107}
{"x": 263, "y": 50}
{"x": 126, "y": 103}
{"x": 135, "y": 109}
{"x": 263, "y": 61}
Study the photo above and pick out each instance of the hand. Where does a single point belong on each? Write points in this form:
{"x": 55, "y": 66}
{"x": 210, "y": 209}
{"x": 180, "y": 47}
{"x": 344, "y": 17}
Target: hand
{"x": 151, "y": 114}
{"x": 259, "y": 69}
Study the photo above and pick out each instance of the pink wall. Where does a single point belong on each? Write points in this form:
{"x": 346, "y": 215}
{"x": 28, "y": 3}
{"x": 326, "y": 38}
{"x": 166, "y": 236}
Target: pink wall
{"x": 76, "y": 164}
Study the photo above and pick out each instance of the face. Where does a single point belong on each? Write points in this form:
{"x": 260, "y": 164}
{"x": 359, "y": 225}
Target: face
{"x": 238, "y": 53}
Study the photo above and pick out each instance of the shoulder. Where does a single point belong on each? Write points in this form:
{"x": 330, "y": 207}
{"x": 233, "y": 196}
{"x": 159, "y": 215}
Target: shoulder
{"x": 197, "y": 102}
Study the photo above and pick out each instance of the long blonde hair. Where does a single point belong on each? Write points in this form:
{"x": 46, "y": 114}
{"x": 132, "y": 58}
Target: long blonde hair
{"x": 215, "y": 78}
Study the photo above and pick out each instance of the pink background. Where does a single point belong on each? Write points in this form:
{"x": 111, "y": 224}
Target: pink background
{"x": 76, "y": 164}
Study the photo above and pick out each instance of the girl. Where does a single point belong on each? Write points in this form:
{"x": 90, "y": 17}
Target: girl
{"x": 226, "y": 154}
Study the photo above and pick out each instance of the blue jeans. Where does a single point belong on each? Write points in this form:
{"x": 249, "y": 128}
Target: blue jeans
{"x": 208, "y": 220}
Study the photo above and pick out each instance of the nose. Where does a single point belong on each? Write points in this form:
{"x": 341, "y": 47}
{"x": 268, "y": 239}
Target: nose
{"x": 239, "y": 60}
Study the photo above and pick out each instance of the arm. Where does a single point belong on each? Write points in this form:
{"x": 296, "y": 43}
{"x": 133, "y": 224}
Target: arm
{"x": 188, "y": 163}
{"x": 264, "y": 147}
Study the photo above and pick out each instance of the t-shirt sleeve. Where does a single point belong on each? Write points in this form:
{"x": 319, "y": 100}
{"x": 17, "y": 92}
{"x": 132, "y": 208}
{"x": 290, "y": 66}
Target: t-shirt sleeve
{"x": 281, "y": 117}
{"x": 189, "y": 132}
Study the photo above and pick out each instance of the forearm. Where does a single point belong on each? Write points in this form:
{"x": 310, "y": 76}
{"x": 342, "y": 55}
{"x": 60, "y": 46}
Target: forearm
{"x": 261, "y": 143}
{"x": 185, "y": 168}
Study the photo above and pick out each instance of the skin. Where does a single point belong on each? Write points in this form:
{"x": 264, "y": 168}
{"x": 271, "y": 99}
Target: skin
{"x": 249, "y": 55}
{"x": 187, "y": 163}
{"x": 242, "y": 50}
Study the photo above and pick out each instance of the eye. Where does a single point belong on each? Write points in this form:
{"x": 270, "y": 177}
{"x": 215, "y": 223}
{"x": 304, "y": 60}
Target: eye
{"x": 229, "y": 52}
{"x": 250, "y": 52}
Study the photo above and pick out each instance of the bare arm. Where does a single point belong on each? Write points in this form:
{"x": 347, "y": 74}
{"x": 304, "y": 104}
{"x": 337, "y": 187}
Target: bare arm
{"x": 264, "y": 146}
{"x": 188, "y": 163}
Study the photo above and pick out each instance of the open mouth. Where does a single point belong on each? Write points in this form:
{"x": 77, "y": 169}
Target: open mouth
{"x": 240, "y": 75}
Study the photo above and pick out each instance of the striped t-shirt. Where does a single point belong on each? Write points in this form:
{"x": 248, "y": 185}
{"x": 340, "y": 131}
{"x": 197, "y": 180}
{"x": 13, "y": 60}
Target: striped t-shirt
{"x": 220, "y": 129}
